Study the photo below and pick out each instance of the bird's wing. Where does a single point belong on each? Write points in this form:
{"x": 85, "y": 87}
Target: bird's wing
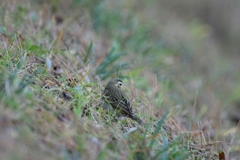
{"x": 120, "y": 101}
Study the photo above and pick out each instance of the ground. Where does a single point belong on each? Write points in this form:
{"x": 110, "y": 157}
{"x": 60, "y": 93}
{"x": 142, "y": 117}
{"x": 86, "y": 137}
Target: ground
{"x": 56, "y": 57}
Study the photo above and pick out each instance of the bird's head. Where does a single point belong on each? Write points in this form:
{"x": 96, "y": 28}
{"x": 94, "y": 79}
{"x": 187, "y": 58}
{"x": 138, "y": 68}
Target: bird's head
{"x": 117, "y": 82}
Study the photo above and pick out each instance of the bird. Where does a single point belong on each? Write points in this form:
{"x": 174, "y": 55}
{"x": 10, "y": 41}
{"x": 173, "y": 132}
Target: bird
{"x": 116, "y": 97}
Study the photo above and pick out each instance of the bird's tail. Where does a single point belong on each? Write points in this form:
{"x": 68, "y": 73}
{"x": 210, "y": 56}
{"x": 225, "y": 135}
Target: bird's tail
{"x": 135, "y": 118}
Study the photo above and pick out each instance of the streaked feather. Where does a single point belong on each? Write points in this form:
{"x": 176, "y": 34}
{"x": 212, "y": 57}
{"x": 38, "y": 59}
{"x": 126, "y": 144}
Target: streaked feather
{"x": 119, "y": 101}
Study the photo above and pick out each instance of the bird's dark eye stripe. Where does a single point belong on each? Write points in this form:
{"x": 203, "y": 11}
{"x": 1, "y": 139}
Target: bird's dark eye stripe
{"x": 119, "y": 80}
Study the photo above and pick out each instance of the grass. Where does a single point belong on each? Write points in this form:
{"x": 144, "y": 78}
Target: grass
{"x": 52, "y": 75}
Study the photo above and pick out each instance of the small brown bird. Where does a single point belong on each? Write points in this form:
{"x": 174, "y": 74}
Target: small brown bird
{"x": 115, "y": 96}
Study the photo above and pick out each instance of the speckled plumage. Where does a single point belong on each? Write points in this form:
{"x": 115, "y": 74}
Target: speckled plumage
{"x": 113, "y": 95}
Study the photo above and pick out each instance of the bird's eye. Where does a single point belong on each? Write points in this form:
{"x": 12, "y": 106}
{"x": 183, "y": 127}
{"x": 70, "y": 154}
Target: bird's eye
{"x": 120, "y": 83}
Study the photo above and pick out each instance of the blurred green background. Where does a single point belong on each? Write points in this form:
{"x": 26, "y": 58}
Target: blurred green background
{"x": 183, "y": 56}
